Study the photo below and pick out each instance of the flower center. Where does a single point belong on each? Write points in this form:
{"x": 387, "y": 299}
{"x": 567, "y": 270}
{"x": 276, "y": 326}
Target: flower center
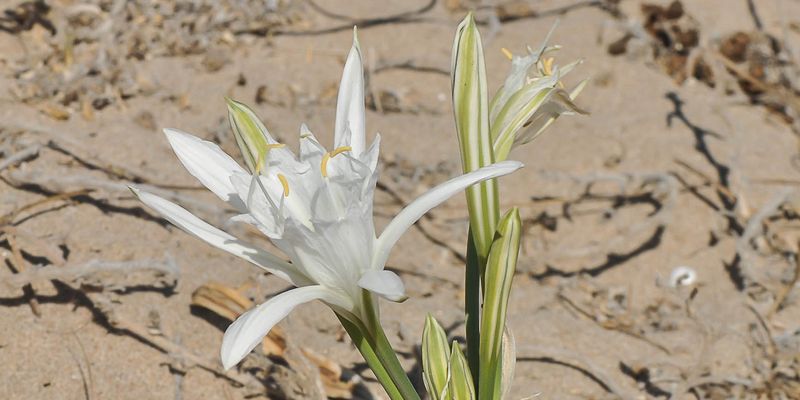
{"x": 325, "y": 158}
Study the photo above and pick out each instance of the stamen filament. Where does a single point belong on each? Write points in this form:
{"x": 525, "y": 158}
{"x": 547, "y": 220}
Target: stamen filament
{"x": 327, "y": 156}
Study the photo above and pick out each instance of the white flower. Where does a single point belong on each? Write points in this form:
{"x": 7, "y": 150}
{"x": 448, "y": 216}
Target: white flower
{"x": 317, "y": 209}
{"x": 530, "y": 99}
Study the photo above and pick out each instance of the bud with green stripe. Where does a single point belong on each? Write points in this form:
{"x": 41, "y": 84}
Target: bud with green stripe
{"x": 461, "y": 386}
{"x": 500, "y": 269}
{"x": 435, "y": 359}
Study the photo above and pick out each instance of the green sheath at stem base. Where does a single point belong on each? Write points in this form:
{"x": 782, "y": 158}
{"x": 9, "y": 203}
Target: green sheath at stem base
{"x": 367, "y": 351}
{"x": 371, "y": 341}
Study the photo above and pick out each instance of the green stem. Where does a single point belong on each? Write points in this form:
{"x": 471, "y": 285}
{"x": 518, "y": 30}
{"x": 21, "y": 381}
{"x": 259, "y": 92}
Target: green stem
{"x": 472, "y": 308}
{"x": 368, "y": 352}
{"x": 385, "y": 352}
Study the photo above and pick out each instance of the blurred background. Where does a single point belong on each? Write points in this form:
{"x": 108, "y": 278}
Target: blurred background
{"x": 661, "y": 231}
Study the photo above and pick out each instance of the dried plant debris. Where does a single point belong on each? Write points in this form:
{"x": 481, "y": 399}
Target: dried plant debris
{"x": 755, "y": 64}
{"x": 332, "y": 376}
{"x": 763, "y": 71}
{"x": 82, "y": 56}
{"x": 612, "y": 308}
{"x": 672, "y": 33}
{"x": 229, "y": 303}
{"x": 767, "y": 265}
{"x": 769, "y": 371}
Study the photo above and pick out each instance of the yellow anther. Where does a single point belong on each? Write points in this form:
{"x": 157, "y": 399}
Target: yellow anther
{"x": 507, "y": 53}
{"x": 285, "y": 185}
{"x": 263, "y": 156}
{"x": 547, "y": 66}
{"x": 327, "y": 156}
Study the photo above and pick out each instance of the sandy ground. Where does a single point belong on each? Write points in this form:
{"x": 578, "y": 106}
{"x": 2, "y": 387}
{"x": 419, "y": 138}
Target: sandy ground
{"x": 661, "y": 174}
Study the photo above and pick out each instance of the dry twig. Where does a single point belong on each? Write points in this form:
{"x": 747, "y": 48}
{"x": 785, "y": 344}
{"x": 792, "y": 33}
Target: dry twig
{"x": 108, "y": 275}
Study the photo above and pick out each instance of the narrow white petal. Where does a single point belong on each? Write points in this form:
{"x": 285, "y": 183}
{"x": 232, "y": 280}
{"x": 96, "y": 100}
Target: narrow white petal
{"x": 559, "y": 102}
{"x": 249, "y": 329}
{"x": 266, "y": 217}
{"x": 385, "y": 284}
{"x": 350, "y": 103}
{"x": 191, "y": 224}
{"x": 430, "y": 199}
{"x": 206, "y": 162}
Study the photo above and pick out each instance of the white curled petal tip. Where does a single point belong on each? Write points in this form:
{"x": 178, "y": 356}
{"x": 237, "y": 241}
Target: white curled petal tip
{"x": 206, "y": 162}
{"x": 249, "y": 329}
{"x": 385, "y": 284}
{"x": 682, "y": 276}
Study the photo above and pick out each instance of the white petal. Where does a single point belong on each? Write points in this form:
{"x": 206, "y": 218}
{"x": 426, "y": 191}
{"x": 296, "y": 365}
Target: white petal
{"x": 191, "y": 224}
{"x": 206, "y": 162}
{"x": 350, "y": 103}
{"x": 268, "y": 219}
{"x": 430, "y": 199}
{"x": 333, "y": 252}
{"x": 557, "y": 103}
{"x": 385, "y": 284}
{"x": 250, "y": 328}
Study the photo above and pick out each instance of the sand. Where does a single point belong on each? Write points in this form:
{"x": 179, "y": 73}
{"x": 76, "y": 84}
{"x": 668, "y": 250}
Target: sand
{"x": 661, "y": 174}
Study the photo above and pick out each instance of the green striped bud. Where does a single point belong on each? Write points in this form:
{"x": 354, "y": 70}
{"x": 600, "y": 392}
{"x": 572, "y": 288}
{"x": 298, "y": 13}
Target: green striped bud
{"x": 500, "y": 269}
{"x": 471, "y": 108}
{"x": 461, "y": 386}
{"x": 435, "y": 358}
{"x": 250, "y": 133}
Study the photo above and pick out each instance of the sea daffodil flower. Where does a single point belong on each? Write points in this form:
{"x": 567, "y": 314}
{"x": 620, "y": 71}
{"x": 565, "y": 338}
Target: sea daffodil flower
{"x": 530, "y": 99}
{"x": 317, "y": 209}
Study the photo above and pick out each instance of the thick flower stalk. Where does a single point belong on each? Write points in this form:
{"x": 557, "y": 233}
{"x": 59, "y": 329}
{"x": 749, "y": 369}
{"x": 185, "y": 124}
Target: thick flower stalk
{"x": 531, "y": 98}
{"x": 317, "y": 209}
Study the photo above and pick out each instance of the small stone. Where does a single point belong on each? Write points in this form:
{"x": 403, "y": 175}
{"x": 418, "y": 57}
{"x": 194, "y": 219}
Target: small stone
{"x": 146, "y": 120}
